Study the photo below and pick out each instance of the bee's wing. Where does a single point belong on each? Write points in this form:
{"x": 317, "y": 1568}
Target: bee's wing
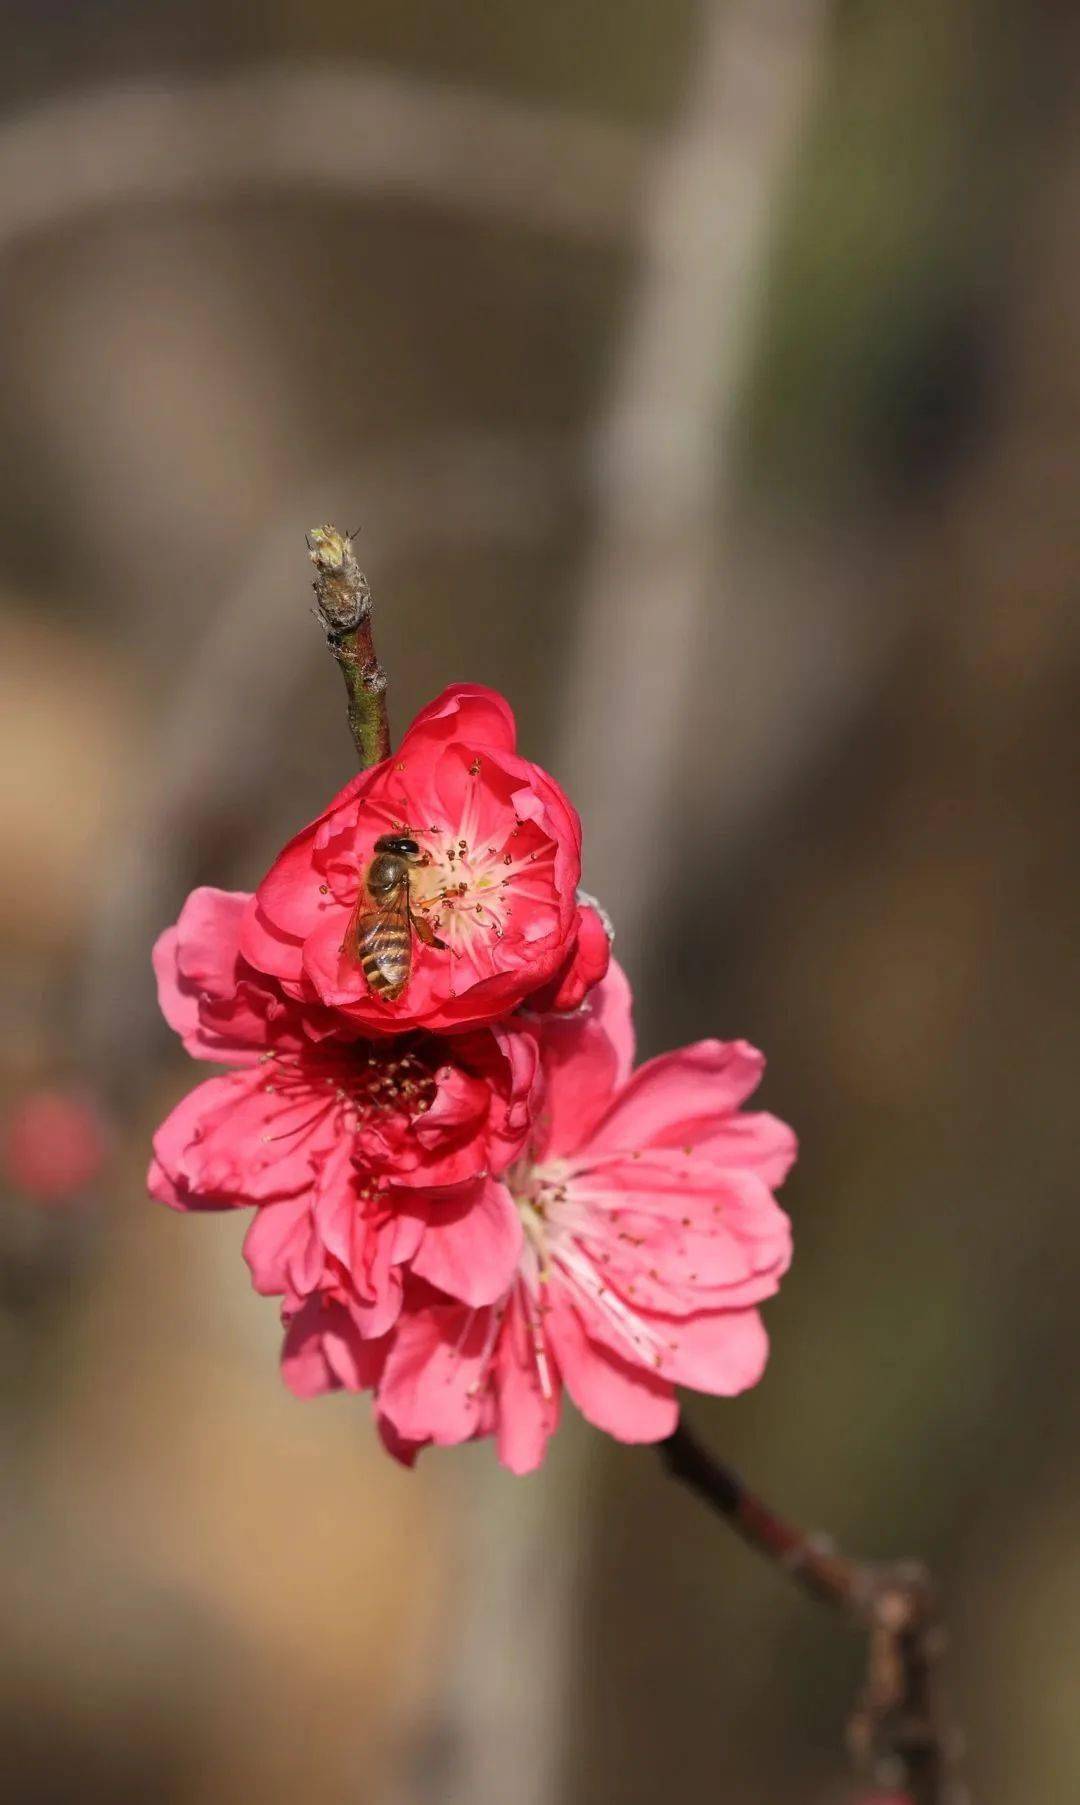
{"x": 379, "y": 939}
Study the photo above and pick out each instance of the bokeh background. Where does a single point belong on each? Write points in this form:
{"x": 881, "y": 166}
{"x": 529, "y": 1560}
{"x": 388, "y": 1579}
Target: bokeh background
{"x": 707, "y": 377}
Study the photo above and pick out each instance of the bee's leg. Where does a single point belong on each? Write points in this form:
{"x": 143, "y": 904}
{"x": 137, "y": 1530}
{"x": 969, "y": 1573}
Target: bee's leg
{"x": 426, "y": 932}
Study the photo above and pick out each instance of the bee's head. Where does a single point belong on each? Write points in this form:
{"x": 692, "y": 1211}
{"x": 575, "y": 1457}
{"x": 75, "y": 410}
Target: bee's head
{"x": 398, "y": 844}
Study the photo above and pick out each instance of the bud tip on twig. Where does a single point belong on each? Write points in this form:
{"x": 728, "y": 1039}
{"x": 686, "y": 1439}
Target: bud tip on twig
{"x": 343, "y": 601}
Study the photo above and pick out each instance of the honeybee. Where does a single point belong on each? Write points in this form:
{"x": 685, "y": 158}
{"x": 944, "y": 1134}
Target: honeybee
{"x": 379, "y": 936}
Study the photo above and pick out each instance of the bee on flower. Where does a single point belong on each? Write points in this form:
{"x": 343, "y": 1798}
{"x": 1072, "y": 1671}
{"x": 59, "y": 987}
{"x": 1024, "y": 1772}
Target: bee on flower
{"x": 483, "y": 910}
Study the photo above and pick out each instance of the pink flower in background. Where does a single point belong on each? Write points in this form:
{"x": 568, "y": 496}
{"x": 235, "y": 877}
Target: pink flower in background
{"x": 54, "y": 1145}
{"x": 500, "y": 862}
{"x": 361, "y": 1159}
{"x": 650, "y": 1237}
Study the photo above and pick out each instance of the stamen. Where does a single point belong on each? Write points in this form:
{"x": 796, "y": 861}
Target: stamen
{"x": 560, "y": 1219}
{"x": 543, "y": 1370}
{"x": 487, "y": 1352}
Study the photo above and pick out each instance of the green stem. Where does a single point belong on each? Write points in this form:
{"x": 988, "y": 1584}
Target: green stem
{"x": 343, "y": 600}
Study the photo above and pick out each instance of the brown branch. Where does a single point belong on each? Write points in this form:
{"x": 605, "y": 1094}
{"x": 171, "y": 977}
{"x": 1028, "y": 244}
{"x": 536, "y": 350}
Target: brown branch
{"x": 343, "y": 600}
{"x": 897, "y": 1733}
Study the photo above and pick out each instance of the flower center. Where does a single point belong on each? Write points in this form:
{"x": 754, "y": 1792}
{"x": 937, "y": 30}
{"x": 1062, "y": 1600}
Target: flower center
{"x": 569, "y": 1226}
{"x": 468, "y": 890}
{"x": 542, "y": 1201}
{"x": 359, "y": 1083}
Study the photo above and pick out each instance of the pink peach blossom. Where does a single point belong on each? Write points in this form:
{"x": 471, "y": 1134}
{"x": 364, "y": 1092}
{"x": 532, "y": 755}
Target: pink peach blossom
{"x": 497, "y": 881}
{"x": 361, "y": 1159}
{"x": 650, "y": 1237}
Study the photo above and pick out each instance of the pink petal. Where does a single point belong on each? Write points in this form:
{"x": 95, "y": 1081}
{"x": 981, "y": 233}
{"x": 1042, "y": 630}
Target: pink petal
{"x": 376, "y": 1313}
{"x": 560, "y": 819}
{"x": 162, "y": 1188}
{"x": 585, "y": 967}
{"x": 675, "y": 1098}
{"x": 355, "y": 1360}
{"x": 238, "y": 1139}
{"x": 753, "y": 1141}
{"x": 449, "y": 1143}
{"x": 178, "y": 1003}
{"x": 509, "y": 1131}
{"x": 375, "y": 1299}
{"x": 527, "y": 1412}
{"x": 406, "y": 1234}
{"x": 471, "y": 1245}
{"x": 198, "y": 954}
{"x": 465, "y": 711}
{"x": 268, "y": 948}
{"x": 336, "y": 1206}
{"x": 171, "y": 1170}
{"x": 401, "y": 1450}
{"x": 304, "y": 1366}
{"x": 202, "y": 989}
{"x": 586, "y": 1058}
{"x": 628, "y": 1401}
{"x": 486, "y": 1000}
{"x": 723, "y": 1352}
{"x": 682, "y": 1235}
{"x": 278, "y": 1235}
{"x": 289, "y": 898}
{"x": 461, "y": 1101}
{"x": 476, "y": 802}
{"x": 428, "y": 1390}
{"x": 322, "y": 1351}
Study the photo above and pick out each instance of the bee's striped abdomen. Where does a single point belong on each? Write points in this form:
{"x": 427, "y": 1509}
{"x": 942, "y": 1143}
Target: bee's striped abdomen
{"x": 384, "y": 949}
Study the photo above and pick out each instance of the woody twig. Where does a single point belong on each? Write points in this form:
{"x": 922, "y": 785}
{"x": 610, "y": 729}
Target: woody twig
{"x": 343, "y": 600}
{"x": 898, "y": 1733}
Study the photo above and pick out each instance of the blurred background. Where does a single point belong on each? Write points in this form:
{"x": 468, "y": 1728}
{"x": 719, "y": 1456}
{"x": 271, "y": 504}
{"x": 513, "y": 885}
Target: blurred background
{"x": 706, "y": 377}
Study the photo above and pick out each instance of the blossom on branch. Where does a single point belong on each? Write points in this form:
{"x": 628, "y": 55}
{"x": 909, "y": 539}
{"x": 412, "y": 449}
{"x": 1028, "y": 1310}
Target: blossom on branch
{"x": 650, "y": 1238}
{"x": 465, "y": 1196}
{"x": 495, "y": 880}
